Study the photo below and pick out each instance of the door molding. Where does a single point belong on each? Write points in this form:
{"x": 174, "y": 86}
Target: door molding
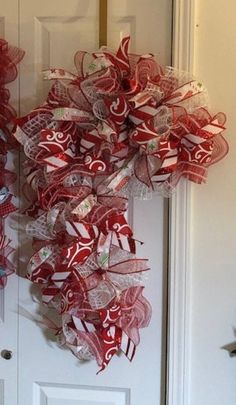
{"x": 179, "y": 319}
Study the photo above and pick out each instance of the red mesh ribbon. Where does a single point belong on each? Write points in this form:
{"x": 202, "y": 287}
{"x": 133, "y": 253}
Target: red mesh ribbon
{"x": 122, "y": 125}
{"x": 6, "y": 267}
{"x": 9, "y": 57}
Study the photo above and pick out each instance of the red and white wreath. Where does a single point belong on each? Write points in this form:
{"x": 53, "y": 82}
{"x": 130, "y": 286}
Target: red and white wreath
{"x": 121, "y": 126}
{"x": 9, "y": 57}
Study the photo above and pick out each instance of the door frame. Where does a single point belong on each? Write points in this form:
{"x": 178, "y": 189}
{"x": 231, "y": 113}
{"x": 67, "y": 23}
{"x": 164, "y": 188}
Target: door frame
{"x": 180, "y": 294}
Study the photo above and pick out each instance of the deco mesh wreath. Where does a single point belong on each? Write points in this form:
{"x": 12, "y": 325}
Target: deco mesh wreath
{"x": 9, "y": 57}
{"x": 123, "y": 125}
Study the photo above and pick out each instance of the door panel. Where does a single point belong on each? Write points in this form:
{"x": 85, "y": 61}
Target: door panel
{"x": 52, "y": 394}
{"x": 51, "y": 32}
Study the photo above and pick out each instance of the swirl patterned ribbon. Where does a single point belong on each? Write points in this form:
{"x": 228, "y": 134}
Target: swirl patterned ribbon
{"x": 9, "y": 57}
{"x": 122, "y": 125}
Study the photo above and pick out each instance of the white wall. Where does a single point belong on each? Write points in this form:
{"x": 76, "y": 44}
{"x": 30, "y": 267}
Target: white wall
{"x": 213, "y": 310}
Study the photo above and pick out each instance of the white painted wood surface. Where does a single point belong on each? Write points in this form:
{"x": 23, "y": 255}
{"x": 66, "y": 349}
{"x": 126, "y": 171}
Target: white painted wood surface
{"x": 213, "y": 300}
{"x": 202, "y": 244}
{"x": 178, "y": 379}
{"x": 51, "y": 32}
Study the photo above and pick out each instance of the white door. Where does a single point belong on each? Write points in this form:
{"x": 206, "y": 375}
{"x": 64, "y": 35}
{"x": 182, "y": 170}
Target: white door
{"x": 51, "y": 31}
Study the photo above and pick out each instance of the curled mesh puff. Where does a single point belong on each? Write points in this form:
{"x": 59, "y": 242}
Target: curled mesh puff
{"x": 100, "y": 110}
{"x": 102, "y": 295}
{"x": 123, "y": 283}
{"x": 34, "y": 125}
